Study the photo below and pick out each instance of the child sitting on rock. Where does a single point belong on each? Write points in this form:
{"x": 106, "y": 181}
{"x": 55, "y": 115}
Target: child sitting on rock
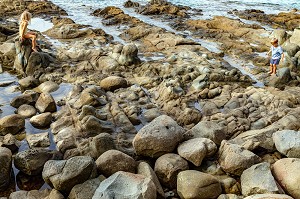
{"x": 24, "y": 21}
{"x": 277, "y": 55}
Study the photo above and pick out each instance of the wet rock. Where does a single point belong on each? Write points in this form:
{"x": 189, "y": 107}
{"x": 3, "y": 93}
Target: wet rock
{"x": 234, "y": 159}
{"x": 23, "y": 51}
{"x": 295, "y": 38}
{"x": 38, "y": 140}
{"x": 113, "y": 161}
{"x": 126, "y": 185}
{"x": 129, "y": 55}
{"x": 63, "y": 175}
{"x": 45, "y": 103}
{"x": 11, "y": 124}
{"x": 112, "y": 83}
{"x": 286, "y": 174}
{"x": 47, "y": 87}
{"x": 195, "y": 150}
{"x": 28, "y": 97}
{"x": 26, "y": 111}
{"x": 258, "y": 179}
{"x": 31, "y": 161}
{"x": 195, "y": 184}
{"x": 158, "y": 137}
{"x": 167, "y": 168}
{"x": 212, "y": 130}
{"x": 28, "y": 82}
{"x": 85, "y": 190}
{"x": 145, "y": 170}
{"x": 42, "y": 120}
{"x": 10, "y": 142}
{"x": 269, "y": 196}
{"x": 287, "y": 142}
{"x": 5, "y": 165}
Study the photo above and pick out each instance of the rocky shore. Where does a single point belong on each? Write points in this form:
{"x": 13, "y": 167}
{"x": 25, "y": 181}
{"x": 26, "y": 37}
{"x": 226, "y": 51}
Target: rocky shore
{"x": 182, "y": 108}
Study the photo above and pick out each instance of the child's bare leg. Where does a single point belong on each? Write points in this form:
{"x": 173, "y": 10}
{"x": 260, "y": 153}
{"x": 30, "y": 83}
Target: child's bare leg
{"x": 271, "y": 69}
{"x": 274, "y": 69}
{"x": 32, "y": 36}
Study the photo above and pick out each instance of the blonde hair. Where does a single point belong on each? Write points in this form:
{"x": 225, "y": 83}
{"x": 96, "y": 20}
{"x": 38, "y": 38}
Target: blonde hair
{"x": 25, "y": 16}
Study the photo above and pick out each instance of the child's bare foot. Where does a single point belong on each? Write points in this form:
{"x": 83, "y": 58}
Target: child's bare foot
{"x": 34, "y": 50}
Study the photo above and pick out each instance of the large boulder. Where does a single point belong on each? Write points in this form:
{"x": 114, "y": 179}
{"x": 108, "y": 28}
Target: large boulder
{"x": 168, "y": 166}
{"x": 45, "y": 103}
{"x": 129, "y": 55}
{"x": 295, "y": 38}
{"x": 286, "y": 172}
{"x": 11, "y": 124}
{"x": 28, "y": 82}
{"x": 42, "y": 120}
{"x": 31, "y": 161}
{"x": 195, "y": 184}
{"x": 195, "y": 150}
{"x": 124, "y": 185}
{"x": 283, "y": 77}
{"x": 5, "y": 165}
{"x": 212, "y": 130}
{"x": 160, "y": 136}
{"x": 291, "y": 48}
{"x": 234, "y": 159}
{"x": 63, "y": 175}
{"x": 258, "y": 179}
{"x": 47, "y": 87}
{"x": 26, "y": 111}
{"x": 28, "y": 97}
{"x": 112, "y": 161}
{"x": 287, "y": 142}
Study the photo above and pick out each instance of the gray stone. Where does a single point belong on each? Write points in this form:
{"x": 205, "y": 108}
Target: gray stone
{"x": 258, "y": 179}
{"x": 234, "y": 159}
{"x": 112, "y": 161}
{"x": 9, "y": 141}
{"x": 129, "y": 55}
{"x": 291, "y": 48}
{"x": 31, "y": 161}
{"x": 167, "y": 167}
{"x": 286, "y": 173}
{"x": 45, "y": 103}
{"x": 229, "y": 196}
{"x": 5, "y": 165}
{"x": 28, "y": 82}
{"x": 283, "y": 77}
{"x": 54, "y": 194}
{"x": 145, "y": 170}
{"x": 195, "y": 150}
{"x": 38, "y": 140}
{"x": 287, "y": 142}
{"x": 124, "y": 185}
{"x": 11, "y": 124}
{"x": 295, "y": 38}
{"x": 212, "y": 130}
{"x": 63, "y": 175}
{"x": 26, "y": 111}
{"x": 42, "y": 120}
{"x": 195, "y": 184}
{"x": 160, "y": 136}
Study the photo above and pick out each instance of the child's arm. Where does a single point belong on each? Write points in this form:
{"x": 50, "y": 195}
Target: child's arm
{"x": 282, "y": 56}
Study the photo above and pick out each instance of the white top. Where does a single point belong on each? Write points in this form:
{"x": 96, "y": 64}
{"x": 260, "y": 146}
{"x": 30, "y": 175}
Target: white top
{"x": 276, "y": 52}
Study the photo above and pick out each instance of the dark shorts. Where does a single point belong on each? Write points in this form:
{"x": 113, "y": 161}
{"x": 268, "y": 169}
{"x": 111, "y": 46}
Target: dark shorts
{"x": 275, "y": 61}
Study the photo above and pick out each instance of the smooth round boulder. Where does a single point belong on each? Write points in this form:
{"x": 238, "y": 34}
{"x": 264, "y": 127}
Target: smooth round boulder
{"x": 287, "y": 142}
{"x": 286, "y": 173}
{"x": 112, "y": 83}
{"x": 31, "y": 161}
{"x": 28, "y": 82}
{"x": 11, "y": 124}
{"x": 45, "y": 103}
{"x": 159, "y": 137}
{"x": 126, "y": 185}
{"x": 48, "y": 87}
{"x": 5, "y": 165}
{"x": 112, "y": 161}
{"x": 42, "y": 120}
{"x": 195, "y": 150}
{"x": 193, "y": 184}
{"x": 168, "y": 166}
{"x": 26, "y": 111}
{"x": 63, "y": 175}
